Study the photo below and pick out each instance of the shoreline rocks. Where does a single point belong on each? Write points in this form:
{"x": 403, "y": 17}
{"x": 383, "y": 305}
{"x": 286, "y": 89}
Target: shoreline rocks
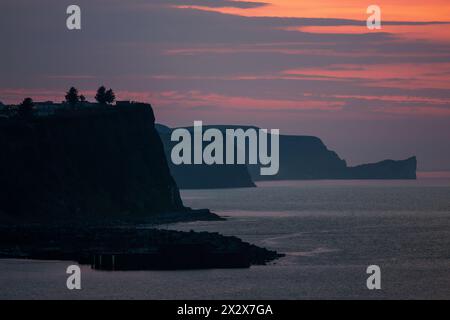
{"x": 131, "y": 248}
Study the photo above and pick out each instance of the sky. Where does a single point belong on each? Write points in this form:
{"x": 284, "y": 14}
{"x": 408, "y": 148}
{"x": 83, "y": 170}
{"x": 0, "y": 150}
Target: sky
{"x": 304, "y": 67}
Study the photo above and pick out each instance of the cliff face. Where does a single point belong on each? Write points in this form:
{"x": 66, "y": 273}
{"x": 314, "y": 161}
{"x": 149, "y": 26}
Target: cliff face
{"x": 302, "y": 158}
{"x": 307, "y": 158}
{"x": 204, "y": 176}
{"x": 107, "y": 163}
{"x": 387, "y": 169}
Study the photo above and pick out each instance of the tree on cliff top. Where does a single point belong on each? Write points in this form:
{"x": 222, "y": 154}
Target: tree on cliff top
{"x": 26, "y": 107}
{"x": 105, "y": 97}
{"x": 110, "y": 96}
{"x": 72, "y": 97}
{"x": 101, "y": 95}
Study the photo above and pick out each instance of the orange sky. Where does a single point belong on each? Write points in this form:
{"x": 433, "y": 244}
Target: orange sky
{"x": 399, "y": 10}
{"x": 433, "y": 32}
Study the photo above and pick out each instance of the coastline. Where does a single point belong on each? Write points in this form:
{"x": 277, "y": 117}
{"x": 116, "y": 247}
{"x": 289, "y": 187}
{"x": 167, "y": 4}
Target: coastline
{"x": 137, "y": 245}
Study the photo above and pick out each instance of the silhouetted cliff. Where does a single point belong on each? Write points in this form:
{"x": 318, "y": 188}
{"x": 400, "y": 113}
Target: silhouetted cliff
{"x": 104, "y": 163}
{"x": 204, "y": 176}
{"x": 304, "y": 157}
{"x": 307, "y": 158}
{"x": 301, "y": 158}
{"x": 387, "y": 169}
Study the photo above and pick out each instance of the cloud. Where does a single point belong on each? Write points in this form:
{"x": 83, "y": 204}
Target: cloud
{"x": 215, "y": 3}
{"x": 323, "y": 76}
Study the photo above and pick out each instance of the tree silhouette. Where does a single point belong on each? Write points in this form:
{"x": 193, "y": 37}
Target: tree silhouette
{"x": 26, "y": 107}
{"x": 82, "y": 98}
{"x": 110, "y": 96}
{"x": 101, "y": 95}
{"x": 72, "y": 96}
{"x": 105, "y": 97}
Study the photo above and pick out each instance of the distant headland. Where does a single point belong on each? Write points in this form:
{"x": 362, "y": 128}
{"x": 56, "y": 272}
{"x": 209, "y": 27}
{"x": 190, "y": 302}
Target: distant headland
{"x": 301, "y": 158}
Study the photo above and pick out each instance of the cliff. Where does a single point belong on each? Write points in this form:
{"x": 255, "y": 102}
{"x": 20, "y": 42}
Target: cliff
{"x": 74, "y": 184}
{"x": 308, "y": 158}
{"x": 204, "y": 176}
{"x": 301, "y": 158}
{"x": 104, "y": 163}
{"x": 387, "y": 169}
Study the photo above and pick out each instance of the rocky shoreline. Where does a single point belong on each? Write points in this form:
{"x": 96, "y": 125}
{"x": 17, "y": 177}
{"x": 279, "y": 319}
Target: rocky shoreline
{"x": 130, "y": 248}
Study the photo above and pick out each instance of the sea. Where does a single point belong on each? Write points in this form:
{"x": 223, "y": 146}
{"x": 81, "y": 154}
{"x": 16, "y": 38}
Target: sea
{"x": 331, "y": 231}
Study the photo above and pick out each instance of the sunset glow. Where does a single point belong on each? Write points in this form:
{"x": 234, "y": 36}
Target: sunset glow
{"x": 393, "y": 10}
{"x": 306, "y": 67}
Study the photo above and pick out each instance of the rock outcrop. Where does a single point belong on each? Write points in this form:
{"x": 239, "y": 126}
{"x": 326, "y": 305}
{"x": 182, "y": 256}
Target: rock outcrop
{"x": 130, "y": 248}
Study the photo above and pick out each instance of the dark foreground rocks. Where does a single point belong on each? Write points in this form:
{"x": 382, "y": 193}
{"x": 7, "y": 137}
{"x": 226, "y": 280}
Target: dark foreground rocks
{"x": 127, "y": 248}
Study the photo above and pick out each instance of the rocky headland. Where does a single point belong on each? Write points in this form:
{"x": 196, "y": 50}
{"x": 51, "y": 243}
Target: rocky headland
{"x": 77, "y": 184}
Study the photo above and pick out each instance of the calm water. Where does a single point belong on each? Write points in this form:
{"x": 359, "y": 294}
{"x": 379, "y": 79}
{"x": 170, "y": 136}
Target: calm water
{"x": 330, "y": 230}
